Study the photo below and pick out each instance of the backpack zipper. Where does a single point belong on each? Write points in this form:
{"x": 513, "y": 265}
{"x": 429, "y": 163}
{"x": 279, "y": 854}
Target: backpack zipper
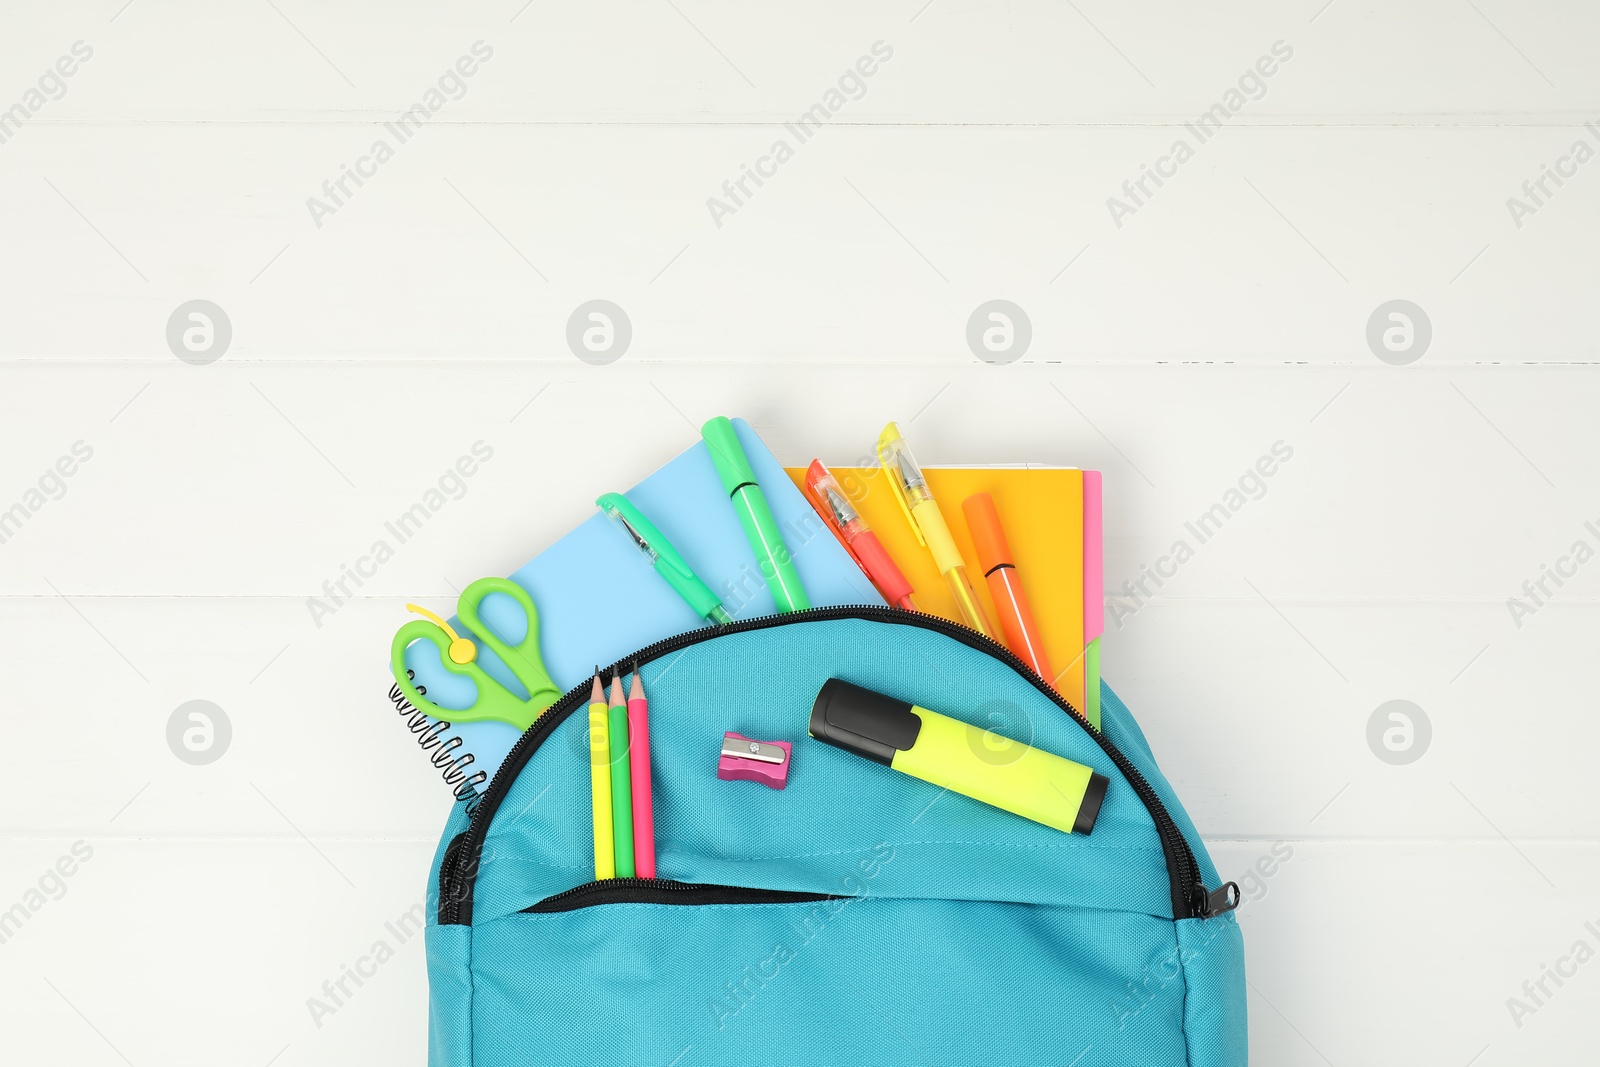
{"x": 666, "y": 891}
{"x": 458, "y": 875}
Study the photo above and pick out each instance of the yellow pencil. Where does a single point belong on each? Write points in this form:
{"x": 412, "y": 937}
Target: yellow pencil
{"x": 605, "y": 860}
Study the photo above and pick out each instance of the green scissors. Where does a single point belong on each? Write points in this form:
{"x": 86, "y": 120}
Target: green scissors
{"x": 458, "y": 655}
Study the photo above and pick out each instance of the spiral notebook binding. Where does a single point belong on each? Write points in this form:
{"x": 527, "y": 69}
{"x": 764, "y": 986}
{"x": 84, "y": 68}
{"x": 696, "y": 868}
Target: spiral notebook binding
{"x": 429, "y": 734}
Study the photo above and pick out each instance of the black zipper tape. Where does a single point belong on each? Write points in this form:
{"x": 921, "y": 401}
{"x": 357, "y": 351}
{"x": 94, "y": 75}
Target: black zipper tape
{"x": 666, "y": 891}
{"x": 458, "y": 873}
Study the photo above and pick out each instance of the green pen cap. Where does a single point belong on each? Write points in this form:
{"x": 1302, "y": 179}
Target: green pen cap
{"x": 733, "y": 466}
{"x": 663, "y": 557}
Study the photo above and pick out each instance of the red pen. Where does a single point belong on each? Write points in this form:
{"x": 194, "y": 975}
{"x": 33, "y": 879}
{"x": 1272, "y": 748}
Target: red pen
{"x": 822, "y": 489}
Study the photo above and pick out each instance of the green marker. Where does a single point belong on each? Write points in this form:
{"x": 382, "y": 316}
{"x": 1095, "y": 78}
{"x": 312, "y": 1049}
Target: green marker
{"x": 664, "y": 558}
{"x": 750, "y": 504}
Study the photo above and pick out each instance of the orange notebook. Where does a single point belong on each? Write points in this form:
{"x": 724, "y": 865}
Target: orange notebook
{"x": 1041, "y": 509}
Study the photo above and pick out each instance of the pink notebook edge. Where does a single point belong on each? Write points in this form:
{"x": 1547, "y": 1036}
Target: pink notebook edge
{"x": 1094, "y": 576}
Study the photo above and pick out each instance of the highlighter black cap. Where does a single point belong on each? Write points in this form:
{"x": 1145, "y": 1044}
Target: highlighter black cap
{"x": 864, "y": 722}
{"x": 1093, "y": 796}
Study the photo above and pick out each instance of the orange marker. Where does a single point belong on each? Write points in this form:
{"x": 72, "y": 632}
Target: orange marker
{"x": 994, "y": 559}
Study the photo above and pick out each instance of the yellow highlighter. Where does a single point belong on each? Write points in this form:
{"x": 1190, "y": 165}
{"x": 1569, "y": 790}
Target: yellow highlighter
{"x": 927, "y": 522}
{"x": 605, "y": 859}
{"x": 959, "y": 756}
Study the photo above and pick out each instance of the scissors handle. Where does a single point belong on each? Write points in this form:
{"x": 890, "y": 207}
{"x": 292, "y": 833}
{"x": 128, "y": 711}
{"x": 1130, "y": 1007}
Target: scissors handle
{"x": 492, "y": 702}
{"x": 523, "y": 658}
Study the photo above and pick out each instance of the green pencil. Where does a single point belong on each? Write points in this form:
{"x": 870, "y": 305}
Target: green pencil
{"x": 621, "y": 786}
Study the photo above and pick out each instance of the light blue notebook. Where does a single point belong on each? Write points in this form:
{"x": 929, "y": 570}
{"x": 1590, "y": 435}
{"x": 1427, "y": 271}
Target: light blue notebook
{"x": 599, "y": 599}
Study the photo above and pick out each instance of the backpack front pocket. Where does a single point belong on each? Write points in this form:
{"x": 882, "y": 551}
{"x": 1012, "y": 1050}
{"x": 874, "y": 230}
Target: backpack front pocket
{"x": 837, "y": 980}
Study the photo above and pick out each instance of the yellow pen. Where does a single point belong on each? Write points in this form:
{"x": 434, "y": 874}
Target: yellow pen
{"x": 927, "y": 522}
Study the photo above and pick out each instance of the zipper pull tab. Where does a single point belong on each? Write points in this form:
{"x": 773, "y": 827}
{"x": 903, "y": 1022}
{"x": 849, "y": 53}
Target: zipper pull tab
{"x": 1208, "y": 904}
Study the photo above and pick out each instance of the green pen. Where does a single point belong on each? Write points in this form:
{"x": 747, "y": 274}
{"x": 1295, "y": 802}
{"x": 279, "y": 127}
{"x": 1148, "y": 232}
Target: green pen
{"x": 664, "y": 558}
{"x": 750, "y": 504}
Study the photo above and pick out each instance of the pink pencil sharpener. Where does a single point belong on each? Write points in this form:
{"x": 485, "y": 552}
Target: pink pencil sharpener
{"x": 746, "y": 760}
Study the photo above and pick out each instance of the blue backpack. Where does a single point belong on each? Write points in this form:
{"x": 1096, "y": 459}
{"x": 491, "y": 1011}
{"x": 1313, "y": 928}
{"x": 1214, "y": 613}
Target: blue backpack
{"x": 858, "y": 916}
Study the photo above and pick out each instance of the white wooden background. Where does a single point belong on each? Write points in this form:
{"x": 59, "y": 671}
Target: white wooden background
{"x": 429, "y": 312}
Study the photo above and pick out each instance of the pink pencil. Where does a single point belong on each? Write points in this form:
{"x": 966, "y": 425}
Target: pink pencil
{"x": 644, "y": 827}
